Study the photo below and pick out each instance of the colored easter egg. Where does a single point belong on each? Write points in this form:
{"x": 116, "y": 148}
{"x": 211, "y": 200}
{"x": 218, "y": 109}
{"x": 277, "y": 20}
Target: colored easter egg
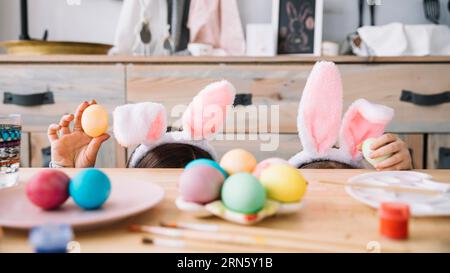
{"x": 94, "y": 120}
{"x": 238, "y": 160}
{"x": 200, "y": 184}
{"x": 266, "y": 163}
{"x": 243, "y": 193}
{"x": 367, "y": 151}
{"x": 208, "y": 162}
{"x": 90, "y": 188}
{"x": 283, "y": 183}
{"x": 48, "y": 189}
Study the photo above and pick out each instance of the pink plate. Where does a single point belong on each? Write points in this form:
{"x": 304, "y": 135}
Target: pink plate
{"x": 127, "y": 198}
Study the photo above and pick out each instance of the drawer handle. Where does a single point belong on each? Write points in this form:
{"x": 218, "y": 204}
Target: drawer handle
{"x": 444, "y": 158}
{"x": 425, "y": 100}
{"x": 243, "y": 99}
{"x": 28, "y": 100}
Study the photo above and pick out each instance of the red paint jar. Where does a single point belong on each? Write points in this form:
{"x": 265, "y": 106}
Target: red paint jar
{"x": 394, "y": 220}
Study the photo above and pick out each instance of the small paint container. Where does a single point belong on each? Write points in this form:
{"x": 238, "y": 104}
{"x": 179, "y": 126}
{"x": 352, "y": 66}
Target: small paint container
{"x": 394, "y": 219}
{"x": 51, "y": 238}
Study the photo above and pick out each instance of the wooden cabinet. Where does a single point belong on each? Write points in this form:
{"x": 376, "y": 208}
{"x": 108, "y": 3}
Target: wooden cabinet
{"x": 273, "y": 84}
{"x": 282, "y": 86}
{"x": 68, "y": 86}
{"x": 65, "y": 87}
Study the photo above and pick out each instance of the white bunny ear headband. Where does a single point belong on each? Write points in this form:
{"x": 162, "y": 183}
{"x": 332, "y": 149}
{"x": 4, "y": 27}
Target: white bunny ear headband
{"x": 319, "y": 120}
{"x": 145, "y": 123}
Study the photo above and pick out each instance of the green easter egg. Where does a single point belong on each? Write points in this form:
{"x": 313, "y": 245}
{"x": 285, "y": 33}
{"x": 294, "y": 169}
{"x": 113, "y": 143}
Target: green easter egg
{"x": 367, "y": 151}
{"x": 243, "y": 193}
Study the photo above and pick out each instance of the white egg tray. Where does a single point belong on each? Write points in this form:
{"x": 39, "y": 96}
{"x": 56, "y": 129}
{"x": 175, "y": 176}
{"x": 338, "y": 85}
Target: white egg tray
{"x": 218, "y": 209}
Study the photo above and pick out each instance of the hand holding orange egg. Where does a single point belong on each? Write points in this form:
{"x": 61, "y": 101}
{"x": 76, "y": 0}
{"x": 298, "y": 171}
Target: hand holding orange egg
{"x": 95, "y": 120}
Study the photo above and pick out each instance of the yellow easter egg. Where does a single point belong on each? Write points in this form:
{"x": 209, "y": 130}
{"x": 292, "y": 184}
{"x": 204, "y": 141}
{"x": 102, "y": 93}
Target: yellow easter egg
{"x": 238, "y": 160}
{"x": 94, "y": 120}
{"x": 283, "y": 183}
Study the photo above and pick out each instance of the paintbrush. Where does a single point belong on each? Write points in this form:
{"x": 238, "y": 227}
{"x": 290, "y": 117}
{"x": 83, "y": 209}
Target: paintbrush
{"x": 277, "y": 233}
{"x": 229, "y": 238}
{"x": 384, "y": 187}
{"x": 166, "y": 242}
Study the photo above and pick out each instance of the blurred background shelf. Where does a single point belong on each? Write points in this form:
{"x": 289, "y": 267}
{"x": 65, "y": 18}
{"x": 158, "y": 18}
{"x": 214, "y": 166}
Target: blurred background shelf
{"x": 277, "y": 60}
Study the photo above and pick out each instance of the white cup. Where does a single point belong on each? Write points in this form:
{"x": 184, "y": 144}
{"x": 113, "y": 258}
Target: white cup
{"x": 197, "y": 49}
{"x": 330, "y": 48}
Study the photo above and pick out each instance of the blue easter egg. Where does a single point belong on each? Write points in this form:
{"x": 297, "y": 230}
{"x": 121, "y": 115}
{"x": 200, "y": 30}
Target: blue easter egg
{"x": 208, "y": 162}
{"x": 90, "y": 188}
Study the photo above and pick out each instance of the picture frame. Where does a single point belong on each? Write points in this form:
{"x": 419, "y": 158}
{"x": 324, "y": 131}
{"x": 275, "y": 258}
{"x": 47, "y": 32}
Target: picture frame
{"x": 297, "y": 26}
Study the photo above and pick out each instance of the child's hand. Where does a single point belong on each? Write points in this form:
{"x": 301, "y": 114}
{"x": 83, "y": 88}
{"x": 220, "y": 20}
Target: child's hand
{"x": 391, "y": 144}
{"x": 74, "y": 148}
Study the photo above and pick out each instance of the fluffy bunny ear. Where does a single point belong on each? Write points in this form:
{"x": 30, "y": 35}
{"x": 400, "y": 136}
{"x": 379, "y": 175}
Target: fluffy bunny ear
{"x": 361, "y": 121}
{"x": 207, "y": 111}
{"x": 320, "y": 109}
{"x": 139, "y": 123}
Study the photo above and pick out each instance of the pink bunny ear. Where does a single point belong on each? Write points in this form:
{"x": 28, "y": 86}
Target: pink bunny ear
{"x": 320, "y": 109}
{"x": 139, "y": 123}
{"x": 361, "y": 121}
{"x": 207, "y": 111}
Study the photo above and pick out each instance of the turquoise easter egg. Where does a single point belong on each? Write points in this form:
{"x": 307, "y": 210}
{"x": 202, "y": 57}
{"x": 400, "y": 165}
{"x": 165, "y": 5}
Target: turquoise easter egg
{"x": 90, "y": 188}
{"x": 209, "y": 162}
{"x": 243, "y": 193}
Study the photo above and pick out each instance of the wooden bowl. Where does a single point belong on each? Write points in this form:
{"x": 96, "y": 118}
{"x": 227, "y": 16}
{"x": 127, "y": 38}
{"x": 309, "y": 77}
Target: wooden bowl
{"x": 35, "y": 47}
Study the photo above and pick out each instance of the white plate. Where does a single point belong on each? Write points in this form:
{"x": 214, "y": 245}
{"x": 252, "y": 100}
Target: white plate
{"x": 420, "y": 205}
{"x": 127, "y": 198}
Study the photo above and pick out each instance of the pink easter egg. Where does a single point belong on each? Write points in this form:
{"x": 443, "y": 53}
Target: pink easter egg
{"x": 200, "y": 184}
{"x": 48, "y": 189}
{"x": 266, "y": 163}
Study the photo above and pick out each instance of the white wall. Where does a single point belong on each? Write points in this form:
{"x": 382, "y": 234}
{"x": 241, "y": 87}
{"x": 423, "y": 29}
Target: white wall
{"x": 95, "y": 20}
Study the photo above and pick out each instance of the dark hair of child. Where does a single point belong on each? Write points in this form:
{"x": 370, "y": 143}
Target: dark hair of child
{"x": 326, "y": 164}
{"x": 171, "y": 155}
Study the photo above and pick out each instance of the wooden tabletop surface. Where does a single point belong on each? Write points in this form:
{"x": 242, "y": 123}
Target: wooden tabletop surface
{"x": 330, "y": 221}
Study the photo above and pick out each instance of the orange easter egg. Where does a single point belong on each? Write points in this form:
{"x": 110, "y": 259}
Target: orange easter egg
{"x": 238, "y": 160}
{"x": 94, "y": 120}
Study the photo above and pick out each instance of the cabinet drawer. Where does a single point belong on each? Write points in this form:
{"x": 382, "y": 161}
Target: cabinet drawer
{"x": 68, "y": 85}
{"x": 384, "y": 84}
{"x": 279, "y": 85}
{"x": 177, "y": 85}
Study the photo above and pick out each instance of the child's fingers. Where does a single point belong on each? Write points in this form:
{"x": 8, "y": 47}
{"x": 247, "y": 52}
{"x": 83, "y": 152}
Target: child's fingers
{"x": 64, "y": 124}
{"x": 94, "y": 146}
{"x": 383, "y": 140}
{"x": 52, "y": 132}
{"x": 389, "y": 162}
{"x": 391, "y": 148}
{"x": 78, "y": 114}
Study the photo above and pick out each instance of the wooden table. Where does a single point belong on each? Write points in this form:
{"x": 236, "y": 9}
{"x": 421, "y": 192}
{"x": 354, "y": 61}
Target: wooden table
{"x": 331, "y": 221}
